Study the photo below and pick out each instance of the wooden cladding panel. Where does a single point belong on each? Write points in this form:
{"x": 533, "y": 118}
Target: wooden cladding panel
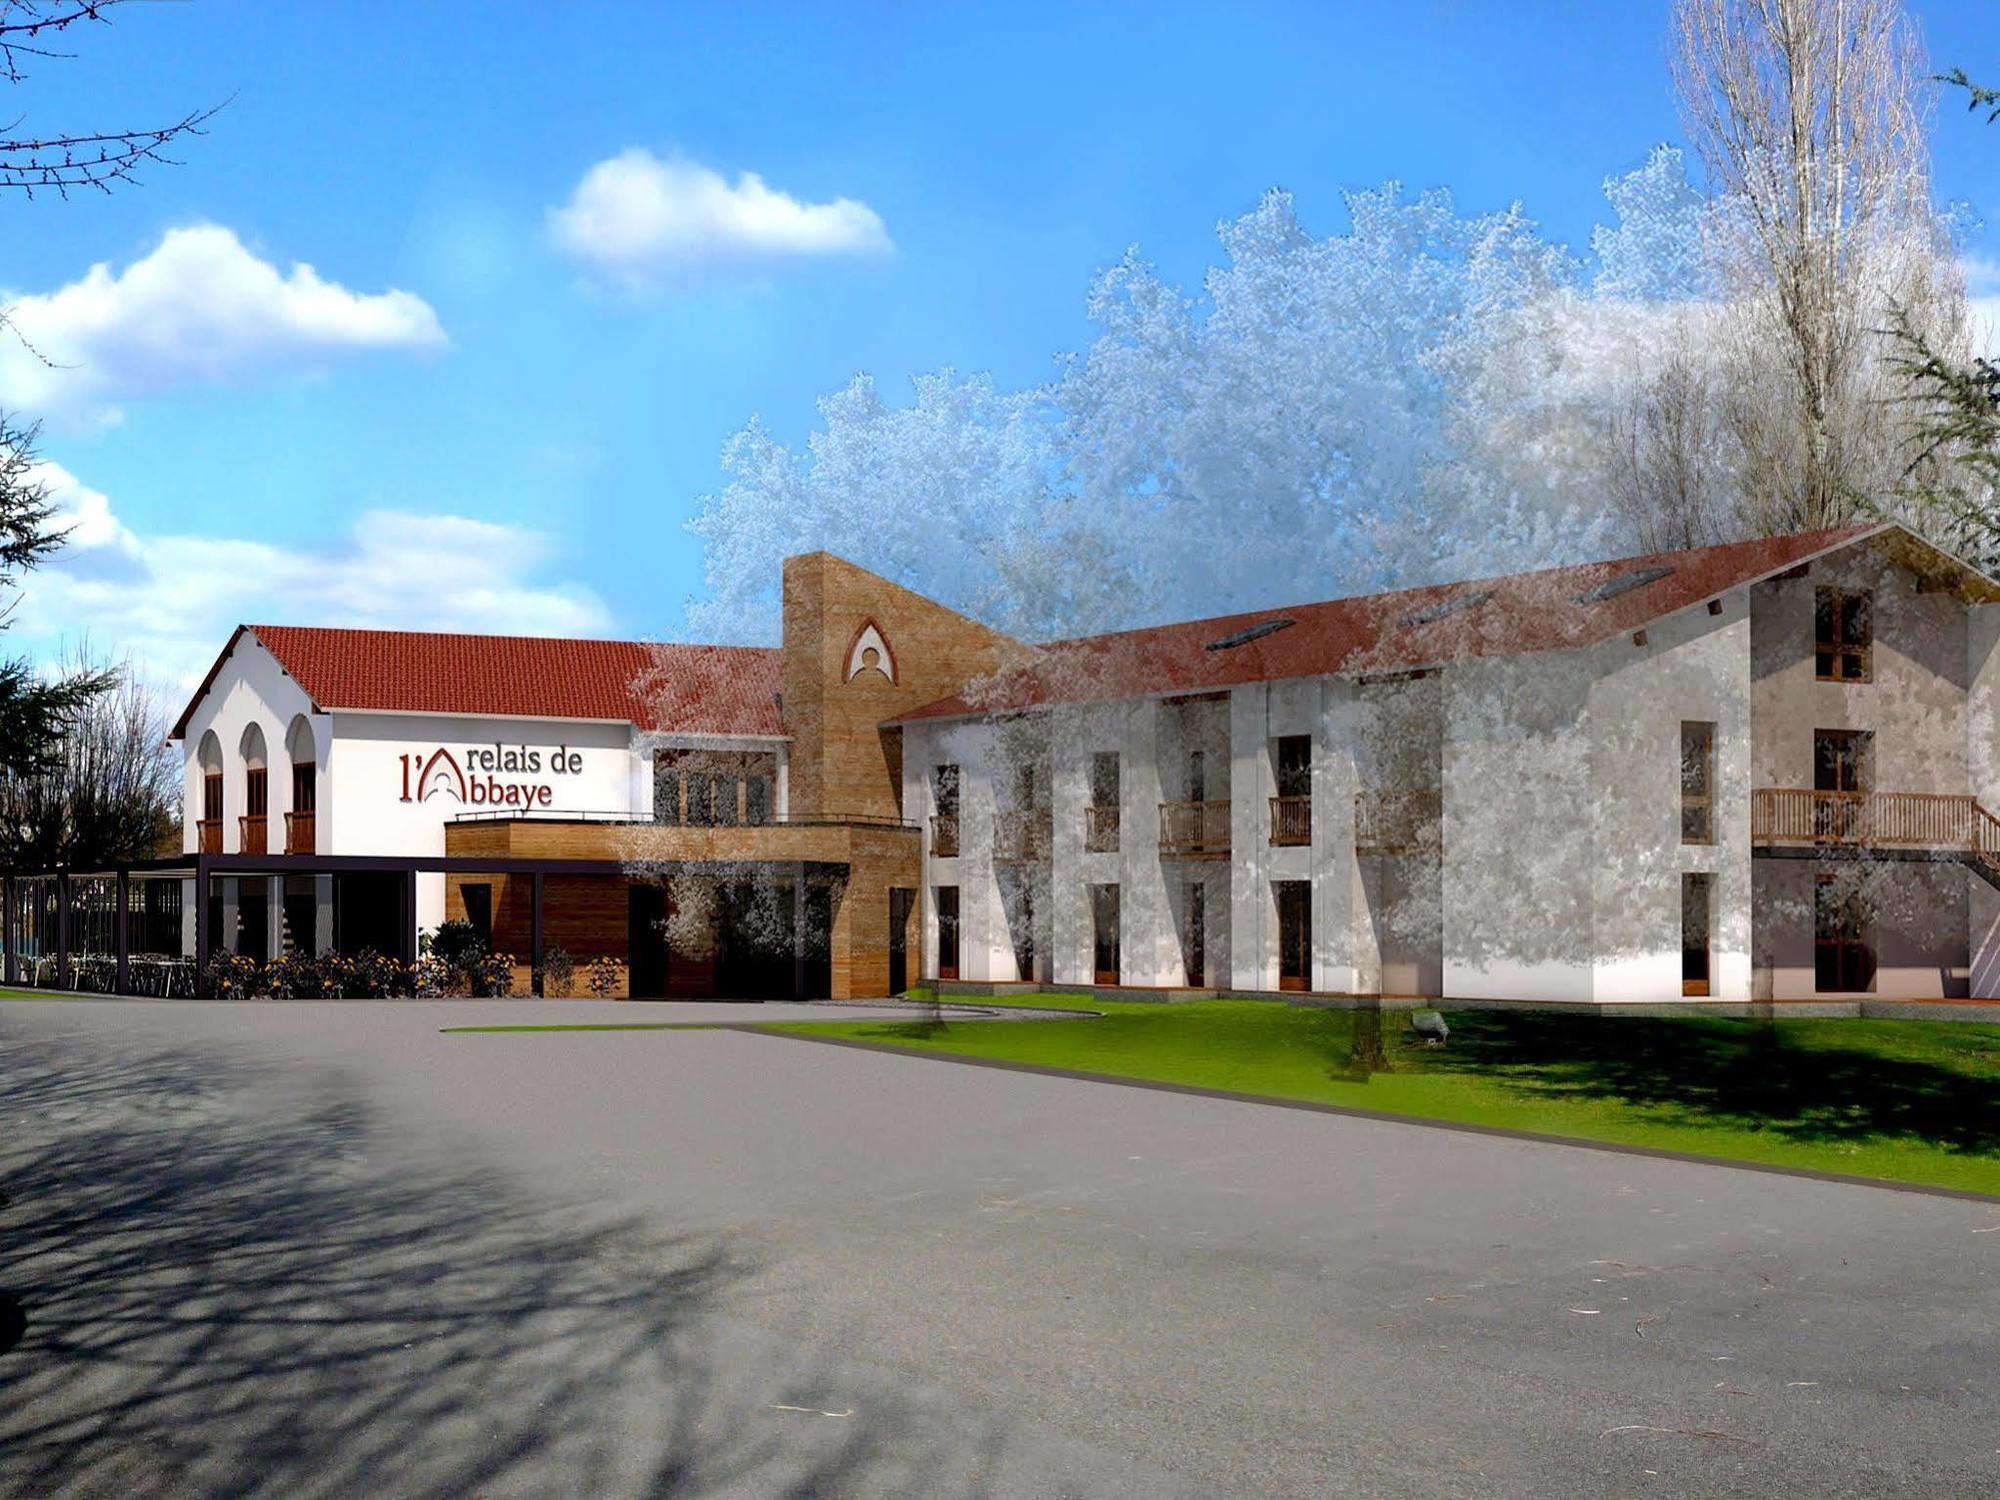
{"x": 842, "y": 760}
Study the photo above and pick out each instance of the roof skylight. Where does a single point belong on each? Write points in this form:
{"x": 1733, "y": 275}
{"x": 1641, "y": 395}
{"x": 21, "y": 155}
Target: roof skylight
{"x": 1624, "y": 583}
{"x": 1447, "y": 607}
{"x": 1250, "y": 633}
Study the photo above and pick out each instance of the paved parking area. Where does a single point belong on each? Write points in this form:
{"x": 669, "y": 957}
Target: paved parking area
{"x": 329, "y": 1250}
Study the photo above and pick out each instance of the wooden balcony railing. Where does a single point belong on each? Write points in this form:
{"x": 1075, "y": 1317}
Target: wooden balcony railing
{"x": 300, "y": 835}
{"x": 252, "y": 834}
{"x": 944, "y": 836}
{"x": 1100, "y": 829}
{"x": 1291, "y": 820}
{"x": 1194, "y": 830}
{"x": 208, "y": 835}
{"x": 1397, "y": 822}
{"x": 1021, "y": 836}
{"x": 1885, "y": 820}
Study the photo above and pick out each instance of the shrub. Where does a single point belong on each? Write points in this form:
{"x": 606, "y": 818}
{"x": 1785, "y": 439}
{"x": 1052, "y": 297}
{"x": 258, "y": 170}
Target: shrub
{"x": 558, "y": 972}
{"x": 604, "y": 977}
{"x": 372, "y": 975}
{"x": 492, "y": 974}
{"x": 454, "y": 943}
{"x": 428, "y": 979}
{"x": 233, "y": 976}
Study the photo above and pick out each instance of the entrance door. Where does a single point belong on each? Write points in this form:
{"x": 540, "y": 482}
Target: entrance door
{"x": 646, "y": 939}
{"x": 1197, "y": 935}
{"x": 947, "y": 915}
{"x": 899, "y": 938}
{"x": 1843, "y": 946}
{"x": 1294, "y": 935}
{"x": 1104, "y": 934}
{"x": 1697, "y": 918}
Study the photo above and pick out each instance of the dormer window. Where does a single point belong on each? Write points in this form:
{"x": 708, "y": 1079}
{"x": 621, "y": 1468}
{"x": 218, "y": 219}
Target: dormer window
{"x": 1843, "y": 627}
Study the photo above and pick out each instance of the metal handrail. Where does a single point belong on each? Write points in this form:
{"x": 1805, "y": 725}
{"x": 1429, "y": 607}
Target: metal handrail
{"x": 1194, "y": 827}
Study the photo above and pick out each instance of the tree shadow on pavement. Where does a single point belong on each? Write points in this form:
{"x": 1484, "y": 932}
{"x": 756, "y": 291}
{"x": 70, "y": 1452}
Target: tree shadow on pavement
{"x": 1742, "y": 1074}
{"x": 233, "y": 1285}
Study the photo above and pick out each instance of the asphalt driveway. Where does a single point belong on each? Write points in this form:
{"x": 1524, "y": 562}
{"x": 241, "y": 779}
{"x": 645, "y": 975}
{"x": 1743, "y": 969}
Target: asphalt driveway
{"x": 328, "y": 1250}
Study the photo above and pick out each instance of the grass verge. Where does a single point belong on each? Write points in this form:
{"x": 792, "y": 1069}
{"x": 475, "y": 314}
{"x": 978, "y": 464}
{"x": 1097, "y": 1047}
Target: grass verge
{"x": 1904, "y": 1101}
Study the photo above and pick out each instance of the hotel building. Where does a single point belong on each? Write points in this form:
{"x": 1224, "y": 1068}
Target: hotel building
{"x": 1768, "y": 769}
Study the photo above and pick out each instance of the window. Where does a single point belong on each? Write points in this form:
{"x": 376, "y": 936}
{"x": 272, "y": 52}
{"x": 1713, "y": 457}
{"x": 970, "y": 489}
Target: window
{"x": 1197, "y": 776}
{"x": 1295, "y": 754}
{"x": 1697, "y": 920}
{"x": 724, "y": 800}
{"x": 944, "y": 783}
{"x": 757, "y": 800}
{"x": 1100, "y": 818}
{"x": 1024, "y": 784}
{"x": 666, "y": 796}
{"x": 700, "y": 801}
{"x": 1195, "y": 957}
{"x": 478, "y": 898}
{"x": 1104, "y": 962}
{"x": 1843, "y": 629}
{"x": 1843, "y": 955}
{"x": 1840, "y": 759}
{"x": 1104, "y": 779}
{"x": 211, "y": 797}
{"x": 257, "y": 792}
{"x": 1697, "y": 783}
{"x": 1294, "y": 934}
{"x": 947, "y": 920}
{"x": 305, "y": 788}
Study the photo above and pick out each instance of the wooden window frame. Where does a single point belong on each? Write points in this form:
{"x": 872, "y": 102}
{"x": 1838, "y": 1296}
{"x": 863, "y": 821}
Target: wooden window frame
{"x": 1833, "y": 652}
{"x": 1698, "y": 749}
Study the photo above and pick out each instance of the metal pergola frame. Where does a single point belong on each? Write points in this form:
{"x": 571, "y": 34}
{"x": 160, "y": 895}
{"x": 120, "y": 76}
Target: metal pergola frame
{"x": 200, "y": 868}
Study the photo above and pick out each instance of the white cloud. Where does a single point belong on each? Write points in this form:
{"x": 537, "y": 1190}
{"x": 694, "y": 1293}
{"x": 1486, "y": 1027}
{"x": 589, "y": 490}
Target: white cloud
{"x": 171, "y": 599}
{"x": 200, "y": 308}
{"x": 635, "y": 217}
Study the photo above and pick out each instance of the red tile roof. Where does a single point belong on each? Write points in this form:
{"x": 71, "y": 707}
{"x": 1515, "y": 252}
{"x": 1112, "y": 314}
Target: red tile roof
{"x": 721, "y": 690}
{"x": 1550, "y": 610}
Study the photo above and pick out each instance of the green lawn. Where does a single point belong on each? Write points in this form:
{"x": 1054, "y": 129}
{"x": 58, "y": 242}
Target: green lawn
{"x": 1911, "y": 1101}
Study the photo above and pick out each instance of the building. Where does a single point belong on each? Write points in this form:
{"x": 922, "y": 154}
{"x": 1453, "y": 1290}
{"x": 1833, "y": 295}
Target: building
{"x": 1760, "y": 770}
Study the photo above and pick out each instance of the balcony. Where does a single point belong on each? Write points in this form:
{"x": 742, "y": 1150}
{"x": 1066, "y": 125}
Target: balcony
{"x": 1291, "y": 821}
{"x": 252, "y": 834}
{"x": 1021, "y": 836}
{"x": 208, "y": 836}
{"x": 1100, "y": 829}
{"x": 944, "y": 836}
{"x": 1874, "y": 820}
{"x": 300, "y": 836}
{"x": 1397, "y": 822}
{"x": 1194, "y": 830}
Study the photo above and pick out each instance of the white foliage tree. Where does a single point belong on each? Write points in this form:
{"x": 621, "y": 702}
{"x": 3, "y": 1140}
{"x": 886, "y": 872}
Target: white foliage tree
{"x": 1294, "y": 433}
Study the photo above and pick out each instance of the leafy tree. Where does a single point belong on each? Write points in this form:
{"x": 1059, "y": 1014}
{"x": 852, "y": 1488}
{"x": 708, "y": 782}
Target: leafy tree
{"x": 108, "y": 790}
{"x": 35, "y": 711}
{"x": 1956, "y": 430}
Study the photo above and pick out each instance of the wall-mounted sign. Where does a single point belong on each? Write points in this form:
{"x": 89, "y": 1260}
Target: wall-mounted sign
{"x": 488, "y": 775}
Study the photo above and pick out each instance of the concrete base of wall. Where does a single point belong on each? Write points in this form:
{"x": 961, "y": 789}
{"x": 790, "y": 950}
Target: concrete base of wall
{"x": 1984, "y": 1010}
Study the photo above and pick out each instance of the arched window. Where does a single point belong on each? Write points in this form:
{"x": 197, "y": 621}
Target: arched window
{"x": 301, "y": 834}
{"x": 208, "y": 828}
{"x": 255, "y": 838}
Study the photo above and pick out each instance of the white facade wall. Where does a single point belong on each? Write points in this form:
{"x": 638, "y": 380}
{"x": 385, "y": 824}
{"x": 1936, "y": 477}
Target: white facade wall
{"x": 363, "y": 757}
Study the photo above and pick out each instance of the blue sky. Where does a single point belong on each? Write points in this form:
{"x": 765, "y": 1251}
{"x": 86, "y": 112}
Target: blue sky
{"x": 517, "y": 440}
